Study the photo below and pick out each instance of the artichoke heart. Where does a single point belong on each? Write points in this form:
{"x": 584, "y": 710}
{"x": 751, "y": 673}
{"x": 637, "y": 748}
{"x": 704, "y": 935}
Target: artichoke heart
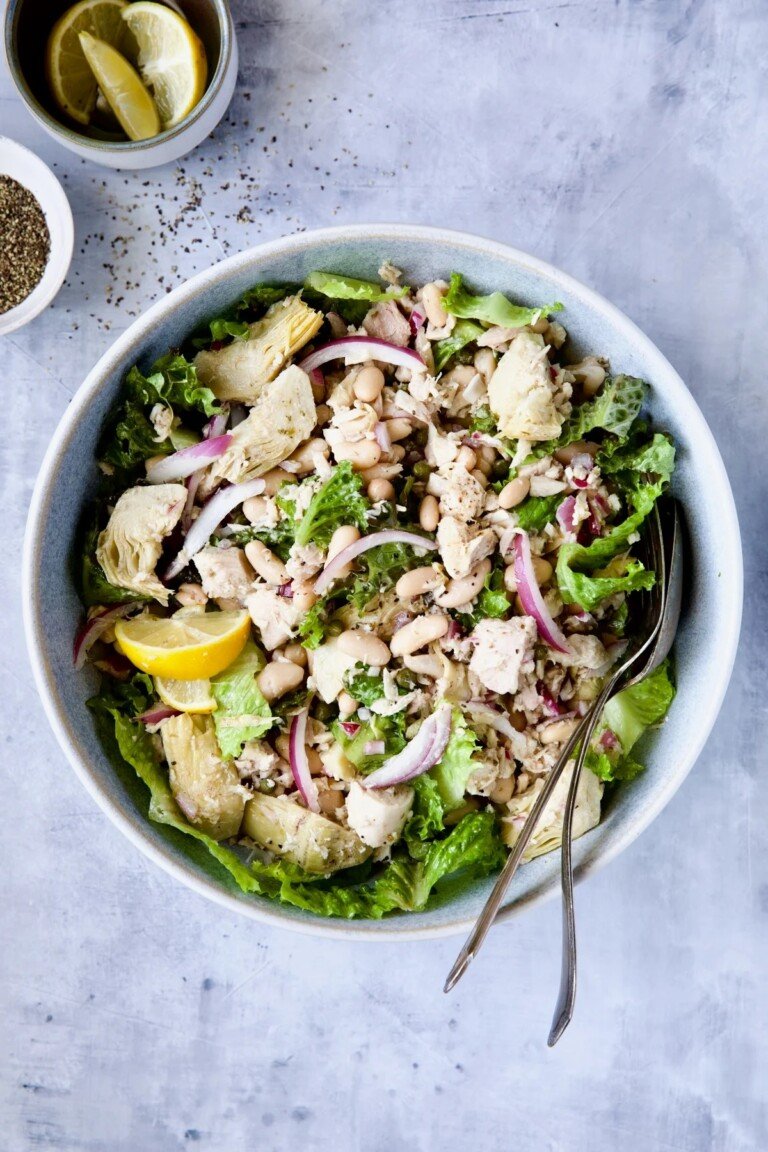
{"x": 549, "y": 831}
{"x": 205, "y": 787}
{"x": 241, "y": 369}
{"x": 306, "y": 838}
{"x": 129, "y": 547}
{"x": 282, "y": 416}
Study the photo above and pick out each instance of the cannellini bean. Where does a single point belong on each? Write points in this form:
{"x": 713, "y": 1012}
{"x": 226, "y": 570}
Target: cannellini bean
{"x": 566, "y": 455}
{"x": 542, "y": 570}
{"x": 426, "y": 665}
{"x": 510, "y": 583}
{"x": 381, "y": 472}
{"x": 282, "y": 746}
{"x": 559, "y": 731}
{"x": 306, "y": 455}
{"x": 191, "y": 596}
{"x": 461, "y": 591}
{"x": 380, "y": 489}
{"x": 368, "y": 384}
{"x": 323, "y": 414}
{"x": 480, "y": 476}
{"x": 365, "y": 647}
{"x": 396, "y": 453}
{"x": 268, "y": 566}
{"x": 514, "y": 493}
{"x": 462, "y": 375}
{"x": 503, "y": 790}
{"x": 296, "y": 653}
{"x": 486, "y": 458}
{"x": 347, "y": 703}
{"x": 274, "y": 479}
{"x": 432, "y": 299}
{"x": 399, "y": 428}
{"x": 522, "y": 782}
{"x": 256, "y": 508}
{"x": 279, "y": 677}
{"x": 485, "y": 362}
{"x": 342, "y": 538}
{"x": 418, "y": 581}
{"x": 304, "y": 595}
{"x": 420, "y": 632}
{"x": 467, "y": 458}
{"x": 429, "y": 514}
{"x": 360, "y": 453}
{"x": 590, "y": 373}
{"x": 318, "y": 389}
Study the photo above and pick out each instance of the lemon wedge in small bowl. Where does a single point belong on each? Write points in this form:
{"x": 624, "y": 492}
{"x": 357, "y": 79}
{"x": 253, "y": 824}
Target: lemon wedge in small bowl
{"x": 70, "y": 78}
{"x": 171, "y": 59}
{"x": 122, "y": 87}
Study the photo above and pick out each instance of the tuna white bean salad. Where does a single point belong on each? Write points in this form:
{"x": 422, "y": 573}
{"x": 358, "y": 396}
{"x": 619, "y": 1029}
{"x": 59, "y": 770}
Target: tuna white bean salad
{"x": 361, "y": 555}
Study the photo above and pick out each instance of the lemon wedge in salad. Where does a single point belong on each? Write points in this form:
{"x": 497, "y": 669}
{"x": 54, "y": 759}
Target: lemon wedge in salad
{"x": 187, "y": 648}
{"x": 122, "y": 88}
{"x": 192, "y": 696}
{"x": 171, "y": 58}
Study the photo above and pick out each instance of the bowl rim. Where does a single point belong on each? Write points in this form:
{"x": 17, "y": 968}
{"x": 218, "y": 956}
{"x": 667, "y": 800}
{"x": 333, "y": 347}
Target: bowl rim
{"x": 266, "y": 912}
{"x": 71, "y": 138}
{"x": 57, "y": 210}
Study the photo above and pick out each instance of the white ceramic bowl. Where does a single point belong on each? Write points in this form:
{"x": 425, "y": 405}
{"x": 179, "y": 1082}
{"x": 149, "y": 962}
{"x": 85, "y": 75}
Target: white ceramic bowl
{"x": 23, "y": 166}
{"x": 709, "y": 630}
{"x": 211, "y": 19}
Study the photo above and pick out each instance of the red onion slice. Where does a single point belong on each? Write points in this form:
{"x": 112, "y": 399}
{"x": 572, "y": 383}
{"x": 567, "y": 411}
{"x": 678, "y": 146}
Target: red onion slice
{"x": 92, "y": 629}
{"x": 381, "y": 432}
{"x": 347, "y": 555}
{"x": 416, "y": 319}
{"x": 565, "y": 517}
{"x": 350, "y": 727}
{"x": 216, "y": 426}
{"x": 530, "y": 594}
{"x": 156, "y": 714}
{"x": 362, "y": 348}
{"x": 209, "y": 519}
{"x": 418, "y": 756}
{"x": 297, "y": 756}
{"x": 183, "y": 463}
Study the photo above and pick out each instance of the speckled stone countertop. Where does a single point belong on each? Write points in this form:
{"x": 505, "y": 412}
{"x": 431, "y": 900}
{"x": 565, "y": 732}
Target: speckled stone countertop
{"x": 626, "y": 143}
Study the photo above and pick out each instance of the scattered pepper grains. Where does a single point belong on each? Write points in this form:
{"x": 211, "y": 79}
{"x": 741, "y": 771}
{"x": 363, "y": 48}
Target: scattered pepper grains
{"x": 25, "y": 243}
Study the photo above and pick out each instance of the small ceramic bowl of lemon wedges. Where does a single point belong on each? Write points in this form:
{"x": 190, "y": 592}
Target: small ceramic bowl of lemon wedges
{"x": 127, "y": 83}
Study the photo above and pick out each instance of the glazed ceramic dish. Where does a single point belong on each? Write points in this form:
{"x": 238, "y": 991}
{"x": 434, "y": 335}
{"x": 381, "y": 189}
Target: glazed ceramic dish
{"x": 709, "y": 631}
{"x": 211, "y": 19}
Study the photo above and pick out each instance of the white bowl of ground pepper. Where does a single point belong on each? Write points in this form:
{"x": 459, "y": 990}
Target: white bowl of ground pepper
{"x": 36, "y": 236}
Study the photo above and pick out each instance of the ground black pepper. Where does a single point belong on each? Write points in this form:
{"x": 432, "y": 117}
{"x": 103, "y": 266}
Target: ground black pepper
{"x": 25, "y": 243}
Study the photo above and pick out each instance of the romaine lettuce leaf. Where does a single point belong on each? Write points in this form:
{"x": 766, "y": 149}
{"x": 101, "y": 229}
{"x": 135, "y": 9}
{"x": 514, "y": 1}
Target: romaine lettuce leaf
{"x": 614, "y": 410}
{"x": 492, "y": 602}
{"x": 426, "y": 819}
{"x": 464, "y": 332}
{"x": 390, "y": 729}
{"x": 365, "y": 687}
{"x": 473, "y": 848}
{"x": 379, "y": 569}
{"x": 242, "y": 713}
{"x": 262, "y": 296}
{"x": 538, "y": 511}
{"x": 493, "y": 309}
{"x": 483, "y": 420}
{"x": 221, "y": 330}
{"x": 456, "y": 765}
{"x": 625, "y": 718}
{"x": 348, "y": 288}
{"x": 339, "y": 501}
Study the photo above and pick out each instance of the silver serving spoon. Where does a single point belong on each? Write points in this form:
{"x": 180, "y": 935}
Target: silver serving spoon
{"x": 669, "y": 568}
{"x": 478, "y": 934}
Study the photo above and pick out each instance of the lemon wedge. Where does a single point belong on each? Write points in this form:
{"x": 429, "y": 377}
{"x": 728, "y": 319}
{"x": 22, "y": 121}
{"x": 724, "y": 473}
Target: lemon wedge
{"x": 70, "y": 79}
{"x": 171, "y": 58}
{"x": 186, "y": 695}
{"x": 122, "y": 87}
{"x": 190, "y": 648}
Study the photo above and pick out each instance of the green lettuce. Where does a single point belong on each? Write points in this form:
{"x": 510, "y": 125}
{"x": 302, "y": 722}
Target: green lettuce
{"x": 242, "y": 713}
{"x": 483, "y": 420}
{"x": 493, "y": 309}
{"x": 220, "y": 331}
{"x": 464, "y": 332}
{"x": 365, "y": 687}
{"x": 390, "y": 729}
{"x": 348, "y": 288}
{"x": 472, "y": 849}
{"x": 625, "y": 718}
{"x": 339, "y": 501}
{"x": 379, "y": 569}
{"x": 613, "y": 410}
{"x": 262, "y": 296}
{"x": 492, "y": 602}
{"x": 426, "y": 819}
{"x": 538, "y": 511}
{"x": 456, "y": 765}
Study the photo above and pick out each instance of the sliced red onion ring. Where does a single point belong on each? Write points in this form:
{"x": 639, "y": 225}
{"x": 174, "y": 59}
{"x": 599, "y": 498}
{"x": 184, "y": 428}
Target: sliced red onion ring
{"x": 210, "y": 517}
{"x": 350, "y": 727}
{"x": 156, "y": 714}
{"x": 217, "y": 424}
{"x": 421, "y": 754}
{"x": 183, "y": 463}
{"x": 347, "y": 555}
{"x": 92, "y": 629}
{"x": 375, "y": 747}
{"x": 297, "y": 756}
{"x": 553, "y": 706}
{"x": 381, "y": 432}
{"x": 416, "y": 319}
{"x": 362, "y": 348}
{"x": 530, "y": 594}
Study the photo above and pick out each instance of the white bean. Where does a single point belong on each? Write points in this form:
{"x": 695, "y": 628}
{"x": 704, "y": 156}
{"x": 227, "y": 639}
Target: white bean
{"x": 514, "y": 493}
{"x": 381, "y": 472}
{"x": 365, "y": 647}
{"x": 347, "y": 703}
{"x": 279, "y": 677}
{"x": 274, "y": 479}
{"x": 399, "y": 428}
{"x": 420, "y": 632}
{"x": 429, "y": 514}
{"x": 360, "y": 453}
{"x": 368, "y": 384}
{"x": 466, "y": 458}
{"x": 417, "y": 582}
{"x": 461, "y": 590}
{"x": 256, "y": 508}
{"x": 296, "y": 653}
{"x": 380, "y": 489}
{"x": 268, "y": 566}
{"x": 304, "y": 596}
{"x": 432, "y": 299}
{"x": 425, "y": 665}
{"x": 307, "y": 454}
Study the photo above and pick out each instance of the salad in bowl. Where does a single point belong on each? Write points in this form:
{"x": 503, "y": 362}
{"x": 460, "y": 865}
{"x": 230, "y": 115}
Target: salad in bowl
{"x": 361, "y": 555}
